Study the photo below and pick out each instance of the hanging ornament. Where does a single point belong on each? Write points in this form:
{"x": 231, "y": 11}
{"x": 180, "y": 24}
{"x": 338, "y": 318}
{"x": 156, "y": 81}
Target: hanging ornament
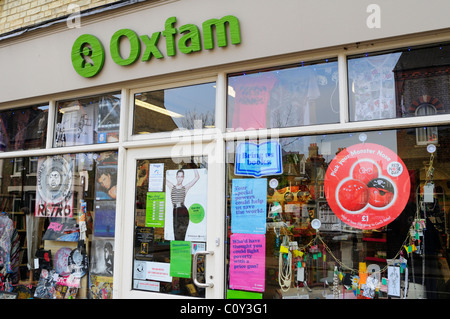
{"x": 335, "y": 283}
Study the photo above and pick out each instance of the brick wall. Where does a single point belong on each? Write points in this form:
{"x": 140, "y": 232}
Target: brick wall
{"x": 16, "y": 14}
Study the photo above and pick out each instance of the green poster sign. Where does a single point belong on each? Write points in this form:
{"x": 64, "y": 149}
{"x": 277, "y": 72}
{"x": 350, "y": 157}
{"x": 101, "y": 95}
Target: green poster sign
{"x": 196, "y": 213}
{"x": 180, "y": 259}
{"x": 240, "y": 294}
{"x": 154, "y": 209}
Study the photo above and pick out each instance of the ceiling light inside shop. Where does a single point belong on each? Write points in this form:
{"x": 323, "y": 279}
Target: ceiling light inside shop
{"x": 156, "y": 108}
{"x": 71, "y": 108}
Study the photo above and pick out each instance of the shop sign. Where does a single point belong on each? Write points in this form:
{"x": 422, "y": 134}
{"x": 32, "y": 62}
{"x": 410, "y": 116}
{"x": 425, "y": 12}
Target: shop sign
{"x": 367, "y": 186}
{"x": 88, "y": 53}
{"x": 258, "y": 159}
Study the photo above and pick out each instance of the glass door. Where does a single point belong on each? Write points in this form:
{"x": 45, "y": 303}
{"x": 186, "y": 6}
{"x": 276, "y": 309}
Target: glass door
{"x": 173, "y": 236}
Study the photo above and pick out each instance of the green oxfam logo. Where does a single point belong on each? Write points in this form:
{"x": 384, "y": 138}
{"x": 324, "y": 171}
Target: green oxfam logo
{"x": 88, "y": 55}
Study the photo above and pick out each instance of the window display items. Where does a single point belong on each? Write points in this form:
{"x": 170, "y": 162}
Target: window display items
{"x": 88, "y": 120}
{"x": 6, "y": 231}
{"x": 46, "y": 286}
{"x": 44, "y": 259}
{"x": 62, "y": 229}
{"x": 76, "y": 127}
{"x": 61, "y": 261}
{"x": 252, "y": 97}
{"x": 102, "y": 257}
{"x": 78, "y": 262}
{"x": 106, "y": 182}
{"x": 372, "y": 87}
{"x": 367, "y": 186}
{"x": 66, "y": 287}
{"x": 101, "y": 287}
{"x": 54, "y": 196}
{"x": 105, "y": 218}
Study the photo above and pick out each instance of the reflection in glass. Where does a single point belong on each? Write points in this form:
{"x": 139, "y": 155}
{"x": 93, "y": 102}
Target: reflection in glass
{"x": 286, "y": 97}
{"x": 302, "y": 194}
{"x": 189, "y": 107}
{"x": 88, "y": 120}
{"x": 24, "y": 128}
{"x": 398, "y": 84}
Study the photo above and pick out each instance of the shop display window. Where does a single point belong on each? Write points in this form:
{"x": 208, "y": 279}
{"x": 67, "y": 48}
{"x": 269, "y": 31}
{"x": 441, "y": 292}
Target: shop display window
{"x": 88, "y": 120}
{"x": 360, "y": 215}
{"x": 303, "y": 94}
{"x": 57, "y": 219}
{"x": 401, "y": 83}
{"x": 23, "y": 128}
{"x": 182, "y": 108}
{"x": 170, "y": 225}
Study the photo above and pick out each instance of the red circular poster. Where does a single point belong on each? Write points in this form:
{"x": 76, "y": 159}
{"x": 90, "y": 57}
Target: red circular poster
{"x": 367, "y": 186}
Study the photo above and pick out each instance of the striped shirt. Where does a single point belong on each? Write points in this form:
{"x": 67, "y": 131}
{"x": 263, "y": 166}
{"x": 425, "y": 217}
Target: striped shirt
{"x": 178, "y": 195}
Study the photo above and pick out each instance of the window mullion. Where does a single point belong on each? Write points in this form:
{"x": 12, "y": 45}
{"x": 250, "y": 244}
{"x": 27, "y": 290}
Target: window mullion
{"x": 51, "y": 120}
{"x": 343, "y": 88}
{"x": 221, "y": 102}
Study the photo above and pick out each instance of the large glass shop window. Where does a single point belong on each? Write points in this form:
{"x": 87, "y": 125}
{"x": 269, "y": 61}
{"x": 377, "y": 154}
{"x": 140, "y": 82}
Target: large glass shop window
{"x": 57, "y": 225}
{"x": 359, "y": 215}
{"x": 170, "y": 225}
{"x": 88, "y": 120}
{"x": 304, "y": 94}
{"x": 183, "y": 108}
{"x": 403, "y": 83}
{"x": 23, "y": 128}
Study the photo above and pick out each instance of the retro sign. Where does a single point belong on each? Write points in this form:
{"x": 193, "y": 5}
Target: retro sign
{"x": 367, "y": 186}
{"x": 54, "y": 196}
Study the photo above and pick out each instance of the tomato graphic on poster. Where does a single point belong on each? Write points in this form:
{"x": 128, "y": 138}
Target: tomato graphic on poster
{"x": 367, "y": 186}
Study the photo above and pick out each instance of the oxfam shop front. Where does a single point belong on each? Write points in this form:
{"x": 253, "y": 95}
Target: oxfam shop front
{"x": 178, "y": 156}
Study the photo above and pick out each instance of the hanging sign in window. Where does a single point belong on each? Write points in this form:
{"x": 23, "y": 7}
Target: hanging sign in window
{"x": 54, "y": 195}
{"x": 248, "y": 206}
{"x": 258, "y": 159}
{"x": 186, "y": 204}
{"x": 247, "y": 262}
{"x": 367, "y": 186}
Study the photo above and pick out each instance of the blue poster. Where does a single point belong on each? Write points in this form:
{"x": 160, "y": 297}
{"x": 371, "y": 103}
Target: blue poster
{"x": 258, "y": 159}
{"x": 248, "y": 206}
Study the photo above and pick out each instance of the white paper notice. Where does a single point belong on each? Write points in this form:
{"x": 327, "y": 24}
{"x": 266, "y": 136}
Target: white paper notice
{"x": 146, "y": 285}
{"x": 158, "y": 271}
{"x": 156, "y": 177}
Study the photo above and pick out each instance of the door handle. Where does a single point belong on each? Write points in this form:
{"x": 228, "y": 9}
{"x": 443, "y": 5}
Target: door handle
{"x": 194, "y": 269}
